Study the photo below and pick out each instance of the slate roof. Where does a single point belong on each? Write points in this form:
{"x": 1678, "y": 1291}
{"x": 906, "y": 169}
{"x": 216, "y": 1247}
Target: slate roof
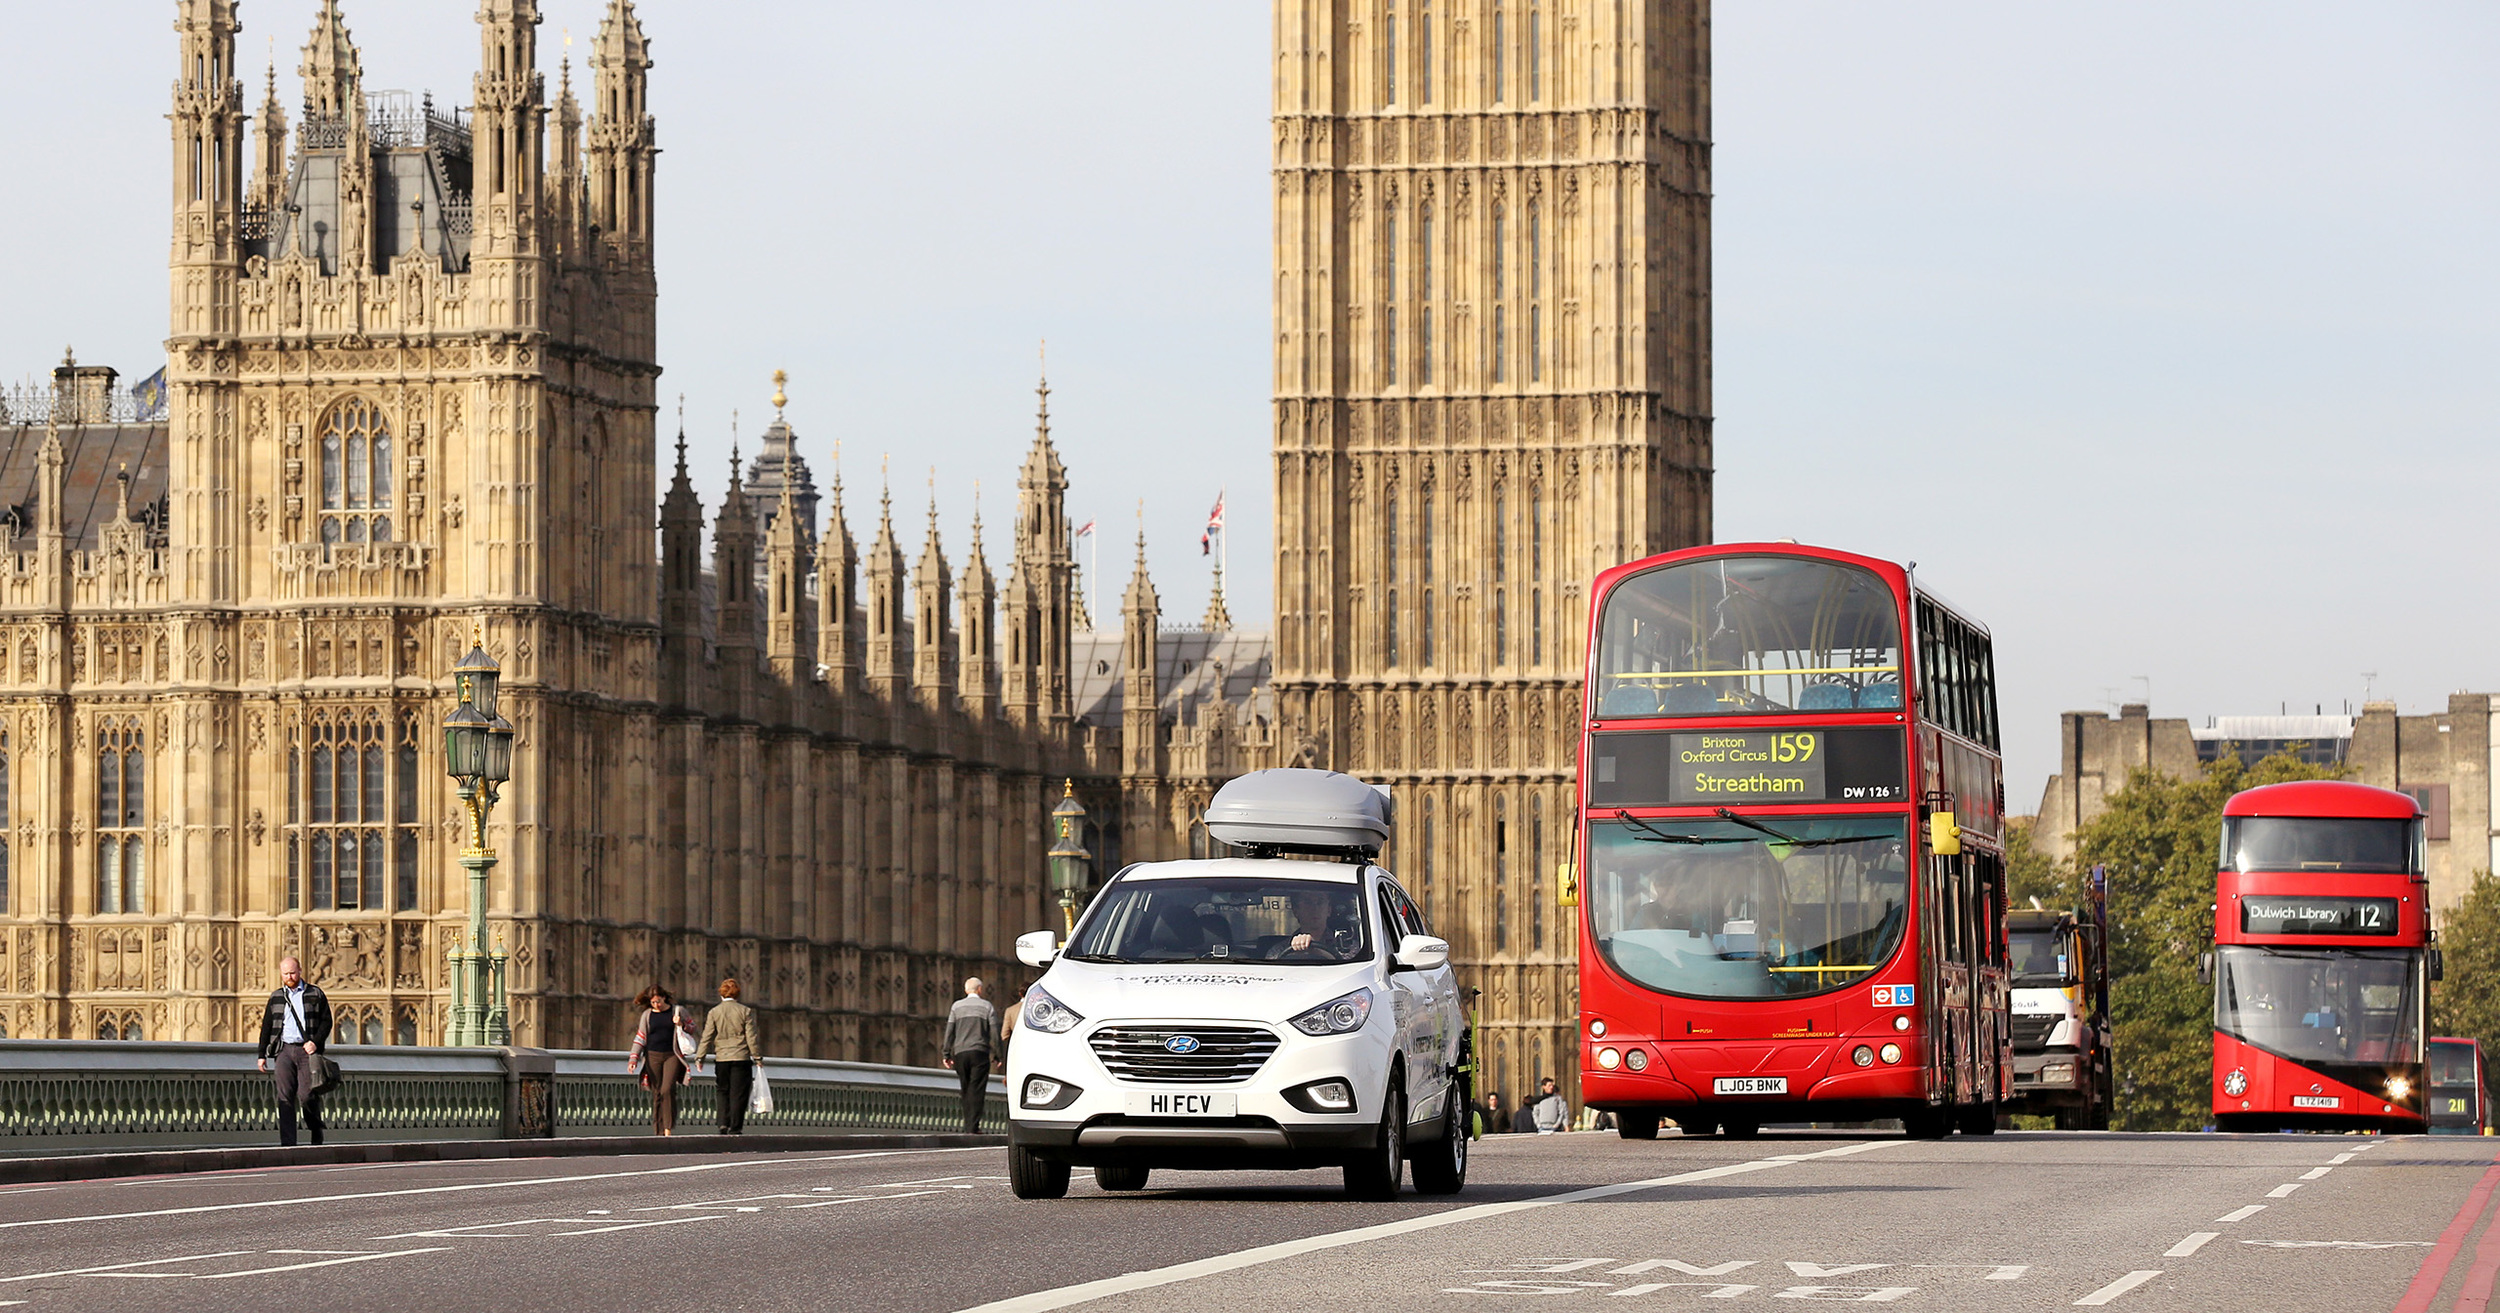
{"x": 96, "y": 454}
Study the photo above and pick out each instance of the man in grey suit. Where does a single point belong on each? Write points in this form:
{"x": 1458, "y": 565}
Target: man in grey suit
{"x": 971, "y": 1037}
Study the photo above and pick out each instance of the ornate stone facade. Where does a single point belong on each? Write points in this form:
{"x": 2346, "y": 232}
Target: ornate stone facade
{"x": 412, "y": 381}
{"x": 1492, "y": 381}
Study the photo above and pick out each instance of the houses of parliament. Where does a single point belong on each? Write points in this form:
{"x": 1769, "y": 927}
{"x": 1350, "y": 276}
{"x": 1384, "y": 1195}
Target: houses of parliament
{"x": 412, "y": 401}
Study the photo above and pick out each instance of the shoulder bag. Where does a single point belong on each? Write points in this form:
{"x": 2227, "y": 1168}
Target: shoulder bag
{"x": 325, "y": 1072}
{"x": 687, "y": 1044}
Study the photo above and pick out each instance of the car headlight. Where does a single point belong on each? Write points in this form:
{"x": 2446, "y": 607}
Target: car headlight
{"x": 1046, "y": 1014}
{"x": 1048, "y": 1095}
{"x": 1342, "y": 1015}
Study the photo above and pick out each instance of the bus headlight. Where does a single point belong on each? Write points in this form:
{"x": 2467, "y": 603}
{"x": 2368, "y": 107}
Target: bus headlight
{"x": 1597, "y": 1028}
{"x": 2398, "y": 1087}
{"x": 1862, "y": 1055}
{"x": 1901, "y": 1021}
{"x": 1892, "y": 1053}
{"x": 1637, "y": 1059}
{"x": 1609, "y": 1059}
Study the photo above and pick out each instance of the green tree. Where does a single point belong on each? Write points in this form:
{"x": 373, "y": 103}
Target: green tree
{"x": 2158, "y": 841}
{"x": 2466, "y": 1001}
{"x": 2029, "y": 873}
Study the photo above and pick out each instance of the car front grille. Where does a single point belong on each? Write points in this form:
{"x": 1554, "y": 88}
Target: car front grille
{"x": 2031, "y": 1030}
{"x": 1225, "y": 1055}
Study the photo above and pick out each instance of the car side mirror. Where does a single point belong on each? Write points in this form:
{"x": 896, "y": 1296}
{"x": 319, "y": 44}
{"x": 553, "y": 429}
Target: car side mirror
{"x": 2439, "y": 964}
{"x": 1037, "y": 949}
{"x": 2204, "y": 968}
{"x": 1421, "y": 953}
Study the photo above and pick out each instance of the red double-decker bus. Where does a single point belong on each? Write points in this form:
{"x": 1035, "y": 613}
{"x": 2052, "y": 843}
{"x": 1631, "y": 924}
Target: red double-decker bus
{"x": 1790, "y": 847}
{"x": 2322, "y": 960}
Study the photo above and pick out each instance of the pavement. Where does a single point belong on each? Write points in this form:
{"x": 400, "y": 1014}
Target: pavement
{"x": 2012, "y": 1221}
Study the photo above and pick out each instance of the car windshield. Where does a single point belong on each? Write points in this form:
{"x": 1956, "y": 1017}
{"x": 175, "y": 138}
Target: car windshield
{"x": 1723, "y": 909}
{"x": 2320, "y": 1005}
{"x": 2036, "y": 958}
{"x": 2452, "y": 1066}
{"x": 1224, "y": 919}
{"x": 2307, "y": 843}
{"x": 1748, "y": 635}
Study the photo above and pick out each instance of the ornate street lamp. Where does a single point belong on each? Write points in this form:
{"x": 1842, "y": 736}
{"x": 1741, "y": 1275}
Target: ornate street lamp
{"x": 1068, "y": 859}
{"x": 477, "y": 753}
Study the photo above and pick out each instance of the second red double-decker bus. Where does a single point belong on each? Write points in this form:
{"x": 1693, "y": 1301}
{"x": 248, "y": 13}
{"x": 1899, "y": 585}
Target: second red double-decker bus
{"x": 2322, "y": 960}
{"x": 1791, "y": 874}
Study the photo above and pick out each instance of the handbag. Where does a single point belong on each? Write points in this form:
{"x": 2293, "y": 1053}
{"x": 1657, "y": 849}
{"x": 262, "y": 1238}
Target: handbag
{"x": 326, "y": 1073}
{"x": 686, "y": 1041}
{"x": 760, "y": 1099}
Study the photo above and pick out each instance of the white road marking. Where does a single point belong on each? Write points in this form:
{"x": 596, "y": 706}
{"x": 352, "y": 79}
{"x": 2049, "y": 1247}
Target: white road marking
{"x": 2118, "y": 1287}
{"x": 1688, "y": 1269}
{"x": 2195, "y": 1240}
{"x": 1852, "y": 1294}
{"x": 145, "y": 1262}
{"x": 2339, "y": 1244}
{"x": 629, "y": 1226}
{"x": 330, "y": 1262}
{"x": 1715, "y": 1291}
{"x": 1833, "y": 1270}
{"x": 2339, "y": 1159}
{"x": 2242, "y": 1214}
{"x": 293, "y": 1200}
{"x": 2315, "y": 1172}
{"x": 1088, "y": 1291}
{"x": 2282, "y": 1191}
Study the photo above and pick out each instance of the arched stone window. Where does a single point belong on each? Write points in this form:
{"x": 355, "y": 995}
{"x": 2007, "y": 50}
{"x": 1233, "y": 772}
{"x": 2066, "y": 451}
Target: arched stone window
{"x": 356, "y": 471}
{"x": 121, "y": 816}
{"x": 345, "y": 802}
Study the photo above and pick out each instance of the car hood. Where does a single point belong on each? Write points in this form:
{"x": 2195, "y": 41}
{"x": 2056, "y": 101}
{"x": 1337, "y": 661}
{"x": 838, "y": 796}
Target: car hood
{"x": 1200, "y": 991}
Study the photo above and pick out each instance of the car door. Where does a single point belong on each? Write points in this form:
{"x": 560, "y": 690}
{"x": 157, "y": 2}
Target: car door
{"x": 1417, "y": 995}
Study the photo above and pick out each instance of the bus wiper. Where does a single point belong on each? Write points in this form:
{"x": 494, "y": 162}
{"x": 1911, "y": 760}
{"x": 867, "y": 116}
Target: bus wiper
{"x": 1656, "y": 835}
{"x": 1752, "y": 824}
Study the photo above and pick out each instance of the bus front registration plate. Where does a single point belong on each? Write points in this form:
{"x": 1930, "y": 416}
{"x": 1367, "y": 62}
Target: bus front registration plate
{"x": 1179, "y": 1103}
{"x": 1749, "y": 1085}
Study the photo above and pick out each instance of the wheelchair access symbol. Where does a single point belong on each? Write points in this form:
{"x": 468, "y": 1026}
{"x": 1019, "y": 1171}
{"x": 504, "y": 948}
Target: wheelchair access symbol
{"x": 1895, "y": 996}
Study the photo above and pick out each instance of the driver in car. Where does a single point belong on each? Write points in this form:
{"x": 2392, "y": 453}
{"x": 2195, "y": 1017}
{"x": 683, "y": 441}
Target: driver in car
{"x": 1312, "y": 933}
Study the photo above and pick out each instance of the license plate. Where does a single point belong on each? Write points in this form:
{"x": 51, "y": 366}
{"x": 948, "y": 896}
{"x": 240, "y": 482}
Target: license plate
{"x": 2315, "y": 1101}
{"x": 1749, "y": 1085}
{"x": 1179, "y": 1103}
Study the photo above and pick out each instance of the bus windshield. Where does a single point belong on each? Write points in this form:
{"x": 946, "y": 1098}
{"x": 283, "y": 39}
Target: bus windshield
{"x": 1721, "y": 909}
{"x": 2320, "y": 1004}
{"x": 2452, "y": 1066}
{"x": 1748, "y": 635}
{"x": 2305, "y": 843}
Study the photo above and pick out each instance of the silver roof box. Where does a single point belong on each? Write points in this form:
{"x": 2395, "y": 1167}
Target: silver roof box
{"x": 1301, "y": 811}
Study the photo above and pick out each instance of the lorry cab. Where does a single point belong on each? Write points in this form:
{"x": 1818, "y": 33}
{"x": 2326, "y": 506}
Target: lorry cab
{"x": 1283, "y": 1008}
{"x": 2060, "y": 1035}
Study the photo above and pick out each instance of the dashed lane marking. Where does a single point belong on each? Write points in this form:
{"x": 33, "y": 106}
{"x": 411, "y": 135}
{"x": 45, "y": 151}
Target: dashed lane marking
{"x": 1088, "y": 1291}
{"x": 2283, "y": 1191}
{"x": 2242, "y": 1214}
{"x": 2340, "y": 1159}
{"x": 633, "y": 1226}
{"x": 2315, "y": 1172}
{"x": 2196, "y": 1240}
{"x": 513, "y": 1183}
{"x": 145, "y": 1262}
{"x": 330, "y": 1262}
{"x": 2116, "y": 1288}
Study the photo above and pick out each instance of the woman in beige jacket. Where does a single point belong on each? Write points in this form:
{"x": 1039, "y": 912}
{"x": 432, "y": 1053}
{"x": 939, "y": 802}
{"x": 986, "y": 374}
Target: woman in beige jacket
{"x": 729, "y": 1031}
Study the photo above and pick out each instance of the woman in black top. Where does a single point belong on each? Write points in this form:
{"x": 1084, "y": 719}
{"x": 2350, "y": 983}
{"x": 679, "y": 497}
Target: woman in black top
{"x": 655, "y": 1055}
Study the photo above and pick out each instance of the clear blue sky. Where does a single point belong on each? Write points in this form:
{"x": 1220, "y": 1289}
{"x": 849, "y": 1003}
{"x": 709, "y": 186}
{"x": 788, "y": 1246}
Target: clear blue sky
{"x": 2163, "y": 336}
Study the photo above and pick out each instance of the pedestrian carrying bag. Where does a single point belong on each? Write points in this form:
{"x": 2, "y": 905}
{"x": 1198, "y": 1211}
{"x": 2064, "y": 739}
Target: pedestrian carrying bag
{"x": 686, "y": 1041}
{"x": 760, "y": 1099}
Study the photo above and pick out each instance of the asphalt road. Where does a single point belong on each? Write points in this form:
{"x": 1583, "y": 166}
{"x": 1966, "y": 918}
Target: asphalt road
{"x": 2187, "y": 1222}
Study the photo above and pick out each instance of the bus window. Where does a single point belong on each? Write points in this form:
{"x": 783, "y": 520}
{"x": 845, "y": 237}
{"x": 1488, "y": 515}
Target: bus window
{"x": 1748, "y": 635}
{"x": 2302, "y": 843}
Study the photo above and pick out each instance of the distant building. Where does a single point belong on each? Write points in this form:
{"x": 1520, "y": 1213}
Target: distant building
{"x": 2444, "y": 759}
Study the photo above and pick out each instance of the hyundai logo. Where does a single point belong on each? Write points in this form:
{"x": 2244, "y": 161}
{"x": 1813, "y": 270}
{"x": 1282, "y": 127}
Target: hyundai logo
{"x": 1181, "y": 1044}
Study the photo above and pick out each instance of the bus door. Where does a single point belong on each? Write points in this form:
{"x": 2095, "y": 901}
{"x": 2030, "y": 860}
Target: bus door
{"x": 1992, "y": 975}
{"x": 1950, "y": 1016}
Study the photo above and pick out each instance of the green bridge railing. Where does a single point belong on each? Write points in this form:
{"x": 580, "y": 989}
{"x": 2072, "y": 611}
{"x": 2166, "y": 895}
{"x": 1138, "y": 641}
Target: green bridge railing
{"x": 63, "y": 1095}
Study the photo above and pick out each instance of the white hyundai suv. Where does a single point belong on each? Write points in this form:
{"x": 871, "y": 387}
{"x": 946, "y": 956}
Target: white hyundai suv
{"x": 1255, "y": 1012}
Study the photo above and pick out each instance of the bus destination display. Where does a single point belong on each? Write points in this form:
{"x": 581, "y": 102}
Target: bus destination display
{"x": 2268, "y": 914}
{"x": 1736, "y": 766}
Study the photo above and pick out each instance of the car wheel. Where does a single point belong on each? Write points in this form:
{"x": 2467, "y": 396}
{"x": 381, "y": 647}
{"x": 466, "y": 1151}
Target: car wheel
{"x": 1121, "y": 1178}
{"x": 1378, "y": 1174}
{"x": 1637, "y": 1125}
{"x": 1441, "y": 1166}
{"x": 1977, "y": 1119}
{"x": 1032, "y": 1176}
{"x": 1745, "y": 1129}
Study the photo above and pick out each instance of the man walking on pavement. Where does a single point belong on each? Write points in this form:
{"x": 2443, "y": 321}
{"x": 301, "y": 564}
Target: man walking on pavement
{"x": 971, "y": 1036}
{"x": 293, "y": 1028}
